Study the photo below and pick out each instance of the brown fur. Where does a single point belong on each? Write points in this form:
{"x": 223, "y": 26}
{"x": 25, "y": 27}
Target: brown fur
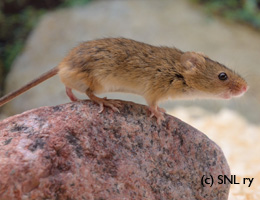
{"x": 153, "y": 72}
{"x": 156, "y": 73}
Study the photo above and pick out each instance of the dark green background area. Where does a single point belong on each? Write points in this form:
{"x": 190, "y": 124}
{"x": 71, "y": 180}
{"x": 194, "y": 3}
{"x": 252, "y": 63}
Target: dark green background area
{"x": 246, "y": 11}
{"x": 17, "y": 18}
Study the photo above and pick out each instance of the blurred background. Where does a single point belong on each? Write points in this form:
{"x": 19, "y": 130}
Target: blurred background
{"x": 36, "y": 35}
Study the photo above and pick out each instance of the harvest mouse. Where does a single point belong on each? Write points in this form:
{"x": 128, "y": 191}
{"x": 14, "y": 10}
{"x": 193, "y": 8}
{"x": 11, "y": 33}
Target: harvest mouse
{"x": 156, "y": 73}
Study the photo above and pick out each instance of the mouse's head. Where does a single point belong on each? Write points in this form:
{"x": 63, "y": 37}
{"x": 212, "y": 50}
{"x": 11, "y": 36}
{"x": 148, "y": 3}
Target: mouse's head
{"x": 208, "y": 78}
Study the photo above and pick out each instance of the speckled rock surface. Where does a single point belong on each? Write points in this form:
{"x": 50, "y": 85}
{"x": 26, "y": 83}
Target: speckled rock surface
{"x": 72, "y": 152}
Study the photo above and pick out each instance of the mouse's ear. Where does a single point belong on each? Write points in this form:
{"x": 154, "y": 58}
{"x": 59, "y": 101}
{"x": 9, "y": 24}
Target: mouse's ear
{"x": 191, "y": 60}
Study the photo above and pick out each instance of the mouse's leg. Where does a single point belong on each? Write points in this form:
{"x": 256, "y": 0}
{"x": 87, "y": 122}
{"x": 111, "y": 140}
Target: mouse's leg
{"x": 161, "y": 109}
{"x": 70, "y": 94}
{"x": 155, "y": 110}
{"x": 113, "y": 104}
{"x": 156, "y": 113}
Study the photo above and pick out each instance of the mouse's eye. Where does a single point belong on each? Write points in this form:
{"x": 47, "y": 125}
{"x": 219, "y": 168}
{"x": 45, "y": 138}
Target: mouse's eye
{"x": 223, "y": 76}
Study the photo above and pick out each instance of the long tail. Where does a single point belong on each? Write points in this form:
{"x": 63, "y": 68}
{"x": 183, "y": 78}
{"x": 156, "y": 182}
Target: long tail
{"x": 43, "y": 77}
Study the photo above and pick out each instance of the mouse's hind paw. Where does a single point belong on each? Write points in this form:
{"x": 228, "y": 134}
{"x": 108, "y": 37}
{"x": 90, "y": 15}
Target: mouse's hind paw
{"x": 113, "y": 104}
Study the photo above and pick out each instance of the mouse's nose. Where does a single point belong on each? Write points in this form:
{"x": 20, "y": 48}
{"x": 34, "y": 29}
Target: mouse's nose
{"x": 240, "y": 90}
{"x": 244, "y": 88}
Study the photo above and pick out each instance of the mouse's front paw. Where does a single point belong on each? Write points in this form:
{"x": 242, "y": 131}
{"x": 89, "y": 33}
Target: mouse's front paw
{"x": 157, "y": 113}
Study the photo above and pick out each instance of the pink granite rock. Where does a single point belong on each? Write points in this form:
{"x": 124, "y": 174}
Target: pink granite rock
{"x": 72, "y": 152}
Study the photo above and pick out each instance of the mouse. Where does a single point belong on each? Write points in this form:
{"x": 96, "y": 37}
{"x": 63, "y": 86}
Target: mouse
{"x": 155, "y": 72}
